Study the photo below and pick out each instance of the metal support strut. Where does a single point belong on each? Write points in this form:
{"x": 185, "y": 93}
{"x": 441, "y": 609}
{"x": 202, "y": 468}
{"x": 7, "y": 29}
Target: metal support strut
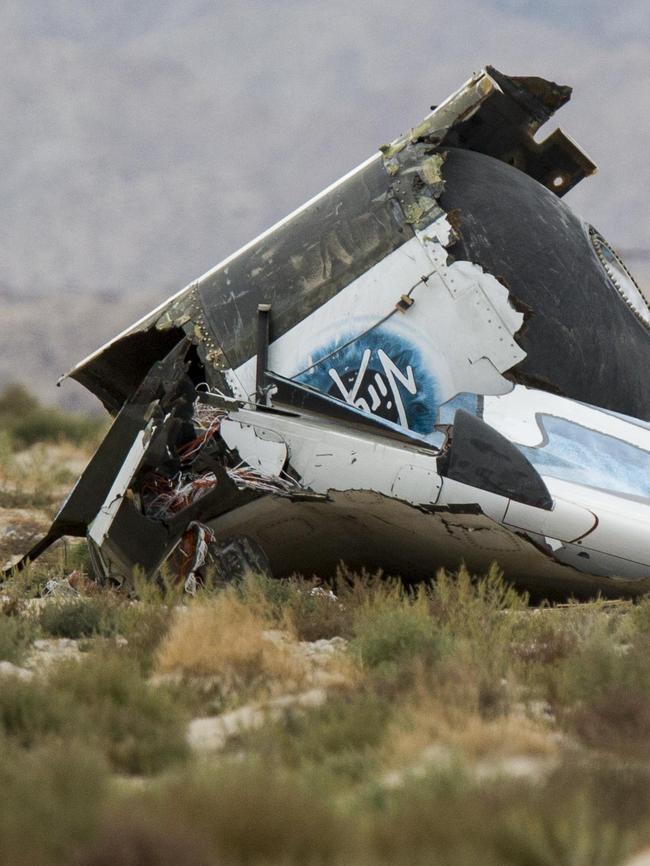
{"x": 263, "y": 333}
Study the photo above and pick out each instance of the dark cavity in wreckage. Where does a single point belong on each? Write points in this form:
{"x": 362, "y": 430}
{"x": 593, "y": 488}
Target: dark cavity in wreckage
{"x": 433, "y": 361}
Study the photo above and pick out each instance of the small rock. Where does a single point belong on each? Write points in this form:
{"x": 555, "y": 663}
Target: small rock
{"x": 538, "y": 710}
{"x": 641, "y": 859}
{"x": 324, "y": 647}
{"x": 58, "y": 645}
{"x": 534, "y": 769}
{"x": 308, "y": 699}
{"x": 172, "y": 678}
{"x": 211, "y": 733}
{"x": 49, "y": 651}
{"x": 11, "y": 670}
{"x": 319, "y": 656}
{"x": 323, "y": 593}
{"x": 434, "y": 755}
{"x": 277, "y": 637}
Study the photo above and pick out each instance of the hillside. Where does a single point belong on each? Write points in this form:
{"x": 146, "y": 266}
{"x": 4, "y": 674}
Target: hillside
{"x": 144, "y": 142}
{"x": 43, "y": 337}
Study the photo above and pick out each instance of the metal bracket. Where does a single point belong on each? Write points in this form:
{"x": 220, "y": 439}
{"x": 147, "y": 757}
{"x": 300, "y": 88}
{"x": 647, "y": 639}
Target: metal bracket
{"x": 263, "y": 334}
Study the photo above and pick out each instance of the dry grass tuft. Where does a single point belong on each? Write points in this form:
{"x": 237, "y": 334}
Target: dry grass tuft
{"x": 434, "y": 718}
{"x": 231, "y": 641}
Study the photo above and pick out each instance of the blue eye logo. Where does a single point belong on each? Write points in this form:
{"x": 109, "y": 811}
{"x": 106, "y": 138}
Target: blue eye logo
{"x": 379, "y": 373}
{"x": 376, "y": 391}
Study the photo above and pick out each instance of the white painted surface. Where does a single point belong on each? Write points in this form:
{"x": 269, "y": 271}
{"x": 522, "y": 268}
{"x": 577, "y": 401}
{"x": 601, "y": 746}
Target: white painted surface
{"x": 457, "y": 493}
{"x": 416, "y": 484}
{"x": 333, "y": 457}
{"x": 461, "y": 322}
{"x": 566, "y": 522}
{"x": 623, "y": 528}
{"x": 100, "y": 526}
{"x": 263, "y": 450}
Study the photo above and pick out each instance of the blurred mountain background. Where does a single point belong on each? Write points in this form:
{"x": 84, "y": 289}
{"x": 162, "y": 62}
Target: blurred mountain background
{"x": 143, "y": 141}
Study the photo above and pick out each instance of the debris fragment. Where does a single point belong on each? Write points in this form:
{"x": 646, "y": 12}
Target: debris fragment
{"x": 433, "y": 361}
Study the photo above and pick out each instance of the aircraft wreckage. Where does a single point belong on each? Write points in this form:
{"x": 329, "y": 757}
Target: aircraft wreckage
{"x": 432, "y": 361}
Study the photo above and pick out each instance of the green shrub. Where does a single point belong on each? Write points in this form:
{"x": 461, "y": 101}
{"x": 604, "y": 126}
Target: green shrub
{"x": 77, "y": 557}
{"x": 600, "y": 664}
{"x": 27, "y": 422}
{"x": 475, "y": 608}
{"x": 50, "y": 800}
{"x": 423, "y": 822}
{"x": 338, "y": 740}
{"x": 80, "y": 617}
{"x": 16, "y": 402}
{"x": 6, "y": 449}
{"x": 316, "y": 615}
{"x": 16, "y": 635}
{"x": 133, "y": 834}
{"x": 305, "y": 605}
{"x": 393, "y": 627}
{"x": 574, "y": 818}
{"x": 442, "y": 817}
{"x": 103, "y": 699}
{"x": 52, "y": 425}
{"x": 482, "y": 616}
{"x": 249, "y": 813}
{"x": 30, "y": 710}
{"x": 20, "y": 586}
{"x": 276, "y": 594}
{"x": 165, "y": 590}
{"x": 616, "y": 720}
{"x": 144, "y": 625}
{"x": 541, "y": 641}
{"x": 137, "y": 726}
